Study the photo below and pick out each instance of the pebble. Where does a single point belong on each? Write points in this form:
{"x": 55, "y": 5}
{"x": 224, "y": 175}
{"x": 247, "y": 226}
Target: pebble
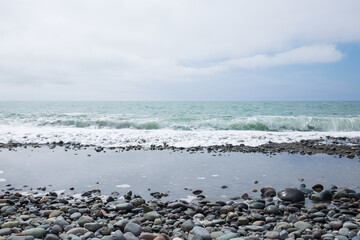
{"x": 133, "y": 228}
{"x": 35, "y": 232}
{"x": 291, "y": 195}
{"x": 302, "y": 225}
{"x": 201, "y": 232}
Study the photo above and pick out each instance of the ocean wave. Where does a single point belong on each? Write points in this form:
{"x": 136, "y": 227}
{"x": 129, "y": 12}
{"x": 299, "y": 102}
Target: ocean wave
{"x": 147, "y": 138}
{"x": 203, "y": 122}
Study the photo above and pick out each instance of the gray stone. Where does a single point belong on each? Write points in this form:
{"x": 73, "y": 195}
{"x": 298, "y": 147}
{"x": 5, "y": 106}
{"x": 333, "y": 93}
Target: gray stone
{"x": 35, "y": 232}
{"x": 340, "y": 237}
{"x": 216, "y": 234}
{"x": 272, "y": 209}
{"x": 302, "y": 225}
{"x": 325, "y": 196}
{"x": 151, "y": 215}
{"x": 243, "y": 221}
{"x": 255, "y": 228}
{"x": 344, "y": 231}
{"x": 75, "y": 215}
{"x": 201, "y": 232}
{"x": 336, "y": 224}
{"x": 228, "y": 236}
{"x": 62, "y": 223}
{"x": 272, "y": 235}
{"x": 226, "y": 209}
{"x": 56, "y": 229}
{"x": 257, "y": 205}
{"x": 10, "y": 224}
{"x": 5, "y": 231}
{"x": 130, "y": 236}
{"x": 133, "y": 228}
{"x": 83, "y": 220}
{"x": 291, "y": 195}
{"x": 356, "y": 238}
{"x": 188, "y": 225}
{"x": 350, "y": 225}
{"x": 124, "y": 207}
{"x": 121, "y": 223}
{"x": 107, "y": 238}
{"x": 51, "y": 237}
{"x": 21, "y": 238}
{"x": 93, "y": 227}
{"x": 76, "y": 231}
{"x": 118, "y": 235}
{"x": 284, "y": 234}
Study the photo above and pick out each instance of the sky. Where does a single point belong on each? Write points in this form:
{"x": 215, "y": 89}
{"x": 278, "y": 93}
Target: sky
{"x": 205, "y": 50}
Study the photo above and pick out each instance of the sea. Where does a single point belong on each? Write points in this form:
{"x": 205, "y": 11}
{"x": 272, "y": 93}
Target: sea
{"x": 178, "y": 124}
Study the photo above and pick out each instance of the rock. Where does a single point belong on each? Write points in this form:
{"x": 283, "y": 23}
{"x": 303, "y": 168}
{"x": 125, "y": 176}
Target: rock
{"x": 226, "y": 209}
{"x": 216, "y": 234}
{"x": 51, "y": 237}
{"x": 344, "y": 231}
{"x": 124, "y": 207}
{"x": 147, "y": 236}
{"x": 75, "y": 215}
{"x": 55, "y": 213}
{"x": 107, "y": 238}
{"x": 130, "y": 236}
{"x": 243, "y": 221}
{"x": 10, "y": 224}
{"x": 350, "y": 225}
{"x": 267, "y": 192}
{"x": 272, "y": 209}
{"x": 255, "y": 228}
{"x": 137, "y": 201}
{"x": 341, "y": 194}
{"x": 201, "y": 232}
{"x": 284, "y": 234}
{"x": 151, "y": 216}
{"x": 336, "y": 224}
{"x": 228, "y": 236}
{"x": 93, "y": 227}
{"x": 56, "y": 229}
{"x": 133, "y": 228}
{"x": 272, "y": 235}
{"x": 291, "y": 195}
{"x": 35, "y": 232}
{"x": 257, "y": 205}
{"x": 118, "y": 235}
{"x": 5, "y": 231}
{"x": 62, "y": 223}
{"x": 325, "y": 196}
{"x": 318, "y": 187}
{"x": 188, "y": 225}
{"x": 76, "y": 231}
{"x": 21, "y": 238}
{"x": 302, "y": 225}
{"x": 121, "y": 223}
{"x": 85, "y": 219}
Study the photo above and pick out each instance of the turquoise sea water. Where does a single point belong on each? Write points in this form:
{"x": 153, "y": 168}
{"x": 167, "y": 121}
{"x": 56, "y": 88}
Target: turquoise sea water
{"x": 176, "y": 123}
{"x": 259, "y": 116}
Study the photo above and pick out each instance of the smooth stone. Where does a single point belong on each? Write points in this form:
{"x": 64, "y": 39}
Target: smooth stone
{"x": 10, "y": 224}
{"x": 51, "y": 237}
{"x": 291, "y": 195}
{"x": 62, "y": 223}
{"x": 284, "y": 234}
{"x": 257, "y": 205}
{"x": 130, "y": 236}
{"x": 75, "y": 215}
{"x": 107, "y": 238}
{"x": 201, "y": 232}
{"x": 302, "y": 225}
{"x": 340, "y": 237}
{"x": 5, "y": 231}
{"x": 356, "y": 238}
{"x": 340, "y": 194}
{"x": 124, "y": 207}
{"x": 318, "y": 187}
{"x": 157, "y": 221}
{"x": 147, "y": 236}
{"x": 267, "y": 192}
{"x": 336, "y": 224}
{"x": 133, "y": 228}
{"x": 21, "y": 238}
{"x": 84, "y": 219}
{"x": 243, "y": 221}
{"x": 188, "y": 225}
{"x": 55, "y": 213}
{"x": 325, "y": 196}
{"x": 121, "y": 223}
{"x": 228, "y": 236}
{"x": 118, "y": 235}
{"x": 35, "y": 232}
{"x": 56, "y": 229}
{"x": 350, "y": 225}
{"x": 216, "y": 234}
{"x": 344, "y": 231}
{"x": 151, "y": 215}
{"x": 76, "y": 231}
{"x": 255, "y": 228}
{"x": 226, "y": 209}
{"x": 282, "y": 226}
{"x": 93, "y": 227}
{"x": 272, "y": 235}
{"x": 272, "y": 209}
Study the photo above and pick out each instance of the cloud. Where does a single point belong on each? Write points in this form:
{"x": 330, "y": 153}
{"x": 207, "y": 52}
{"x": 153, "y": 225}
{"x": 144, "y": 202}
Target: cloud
{"x": 124, "y": 42}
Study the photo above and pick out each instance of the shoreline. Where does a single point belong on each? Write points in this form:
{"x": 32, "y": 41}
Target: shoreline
{"x": 276, "y": 215}
{"x": 340, "y": 146}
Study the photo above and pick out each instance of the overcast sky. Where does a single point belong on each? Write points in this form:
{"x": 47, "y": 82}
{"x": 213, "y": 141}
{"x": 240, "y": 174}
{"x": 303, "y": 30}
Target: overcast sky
{"x": 179, "y": 50}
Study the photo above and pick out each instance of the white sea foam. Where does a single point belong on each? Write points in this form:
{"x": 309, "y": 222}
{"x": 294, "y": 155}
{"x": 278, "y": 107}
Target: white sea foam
{"x": 146, "y": 138}
{"x": 2, "y": 180}
{"x": 123, "y": 186}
